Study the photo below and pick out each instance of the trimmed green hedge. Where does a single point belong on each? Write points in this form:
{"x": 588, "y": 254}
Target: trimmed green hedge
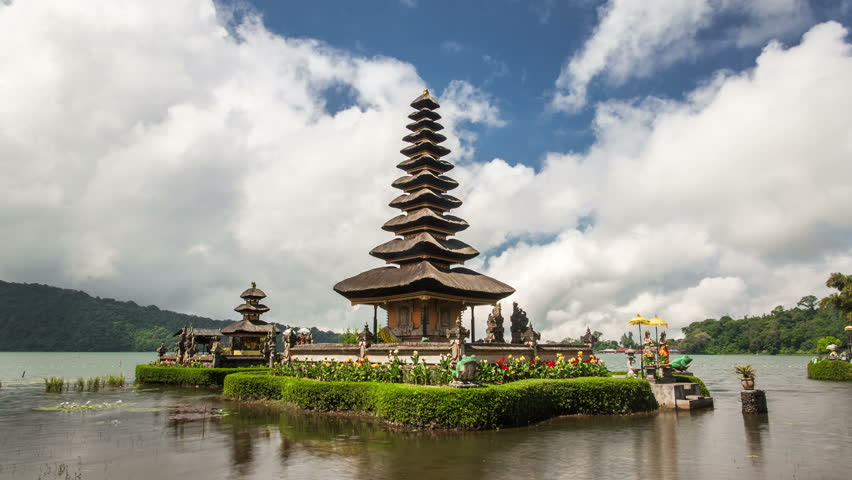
{"x": 837, "y": 370}
{"x": 511, "y": 404}
{"x": 688, "y": 379}
{"x": 188, "y": 375}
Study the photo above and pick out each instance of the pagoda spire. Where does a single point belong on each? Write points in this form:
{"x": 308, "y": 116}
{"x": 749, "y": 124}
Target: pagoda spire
{"x": 424, "y": 224}
{"x": 423, "y": 251}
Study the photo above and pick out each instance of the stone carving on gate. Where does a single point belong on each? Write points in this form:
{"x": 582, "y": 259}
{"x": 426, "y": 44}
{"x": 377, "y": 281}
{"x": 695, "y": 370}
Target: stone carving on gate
{"x": 520, "y": 322}
{"x": 494, "y": 332}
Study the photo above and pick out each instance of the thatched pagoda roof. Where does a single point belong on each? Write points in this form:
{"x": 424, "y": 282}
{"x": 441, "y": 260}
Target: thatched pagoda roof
{"x": 201, "y": 332}
{"x": 425, "y": 254}
{"x": 423, "y": 277}
{"x": 250, "y": 327}
{"x": 253, "y": 292}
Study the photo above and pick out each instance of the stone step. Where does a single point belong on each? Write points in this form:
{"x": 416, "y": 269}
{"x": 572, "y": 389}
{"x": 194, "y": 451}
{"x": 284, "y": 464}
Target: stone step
{"x": 694, "y": 402}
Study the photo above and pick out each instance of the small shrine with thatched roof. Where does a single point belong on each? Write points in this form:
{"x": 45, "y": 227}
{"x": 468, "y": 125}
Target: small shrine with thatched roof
{"x": 248, "y": 336}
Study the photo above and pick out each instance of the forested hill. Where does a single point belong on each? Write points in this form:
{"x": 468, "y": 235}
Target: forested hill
{"x": 783, "y": 331}
{"x": 36, "y": 317}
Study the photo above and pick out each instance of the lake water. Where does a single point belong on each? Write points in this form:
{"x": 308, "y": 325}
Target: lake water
{"x": 805, "y": 435}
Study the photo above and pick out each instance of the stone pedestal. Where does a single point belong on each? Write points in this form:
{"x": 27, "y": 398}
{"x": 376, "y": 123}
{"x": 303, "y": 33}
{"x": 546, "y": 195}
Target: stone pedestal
{"x": 754, "y": 401}
{"x": 651, "y": 373}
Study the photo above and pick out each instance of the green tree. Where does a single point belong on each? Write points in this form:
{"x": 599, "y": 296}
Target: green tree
{"x": 809, "y": 302}
{"x": 841, "y": 301}
{"x": 824, "y": 342}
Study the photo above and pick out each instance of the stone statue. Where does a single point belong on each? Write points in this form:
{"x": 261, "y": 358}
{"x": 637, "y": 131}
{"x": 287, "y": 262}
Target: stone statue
{"x": 161, "y": 351}
{"x": 216, "y": 350}
{"x": 588, "y": 338}
{"x": 180, "y": 347}
{"x": 494, "y": 332}
{"x": 264, "y": 350}
{"x": 272, "y": 348}
{"x": 519, "y": 323}
{"x": 648, "y": 350}
{"x": 193, "y": 348}
{"x": 365, "y": 339}
{"x": 663, "y": 350}
{"x": 530, "y": 337}
{"x": 290, "y": 338}
{"x": 631, "y": 362}
{"x": 457, "y": 336}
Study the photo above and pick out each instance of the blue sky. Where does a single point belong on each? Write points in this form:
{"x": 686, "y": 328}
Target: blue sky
{"x": 686, "y": 158}
{"x": 514, "y": 50}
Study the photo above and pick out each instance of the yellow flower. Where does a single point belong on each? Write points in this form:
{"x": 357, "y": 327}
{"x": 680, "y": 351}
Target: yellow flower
{"x": 580, "y": 353}
{"x": 537, "y": 358}
{"x": 375, "y": 365}
{"x": 510, "y": 356}
{"x": 327, "y": 364}
{"x": 521, "y": 359}
{"x": 349, "y": 360}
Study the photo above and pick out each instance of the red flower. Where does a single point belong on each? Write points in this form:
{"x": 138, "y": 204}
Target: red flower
{"x": 504, "y": 367}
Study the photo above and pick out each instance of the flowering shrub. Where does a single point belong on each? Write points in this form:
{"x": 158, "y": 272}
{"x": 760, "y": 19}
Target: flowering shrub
{"x": 171, "y": 363}
{"x": 416, "y": 371}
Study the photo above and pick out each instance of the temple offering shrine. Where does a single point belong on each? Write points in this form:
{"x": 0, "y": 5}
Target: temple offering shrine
{"x": 424, "y": 293}
{"x": 247, "y": 336}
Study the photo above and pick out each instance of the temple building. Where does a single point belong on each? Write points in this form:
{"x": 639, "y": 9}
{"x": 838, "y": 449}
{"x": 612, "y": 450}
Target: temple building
{"x": 246, "y": 335}
{"x": 423, "y": 292}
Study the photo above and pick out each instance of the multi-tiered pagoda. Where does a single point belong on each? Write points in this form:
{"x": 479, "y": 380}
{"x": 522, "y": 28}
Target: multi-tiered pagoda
{"x": 424, "y": 285}
{"x": 246, "y": 334}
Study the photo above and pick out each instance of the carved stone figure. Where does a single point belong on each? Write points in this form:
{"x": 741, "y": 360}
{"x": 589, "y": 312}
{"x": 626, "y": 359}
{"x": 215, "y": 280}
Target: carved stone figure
{"x": 365, "y": 339}
{"x": 631, "y": 362}
{"x": 663, "y": 350}
{"x": 272, "y": 348}
{"x": 457, "y": 336}
{"x": 264, "y": 350}
{"x": 180, "y": 346}
{"x": 519, "y": 323}
{"x": 530, "y": 337}
{"x": 588, "y": 338}
{"x": 290, "y": 338}
{"x": 494, "y": 332}
{"x": 193, "y": 348}
{"x": 216, "y": 350}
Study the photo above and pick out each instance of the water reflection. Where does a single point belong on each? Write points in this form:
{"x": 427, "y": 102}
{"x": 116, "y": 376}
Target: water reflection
{"x": 804, "y": 436}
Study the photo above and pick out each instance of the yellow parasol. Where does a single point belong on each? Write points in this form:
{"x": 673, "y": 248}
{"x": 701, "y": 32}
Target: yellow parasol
{"x": 658, "y": 322}
{"x": 639, "y": 320}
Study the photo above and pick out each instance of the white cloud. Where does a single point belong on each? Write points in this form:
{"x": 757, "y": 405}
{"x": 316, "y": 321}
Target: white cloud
{"x": 148, "y": 154}
{"x": 733, "y": 201}
{"x": 634, "y": 39}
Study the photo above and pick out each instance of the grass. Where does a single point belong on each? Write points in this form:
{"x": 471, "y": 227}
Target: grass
{"x": 54, "y": 384}
{"x": 91, "y": 384}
